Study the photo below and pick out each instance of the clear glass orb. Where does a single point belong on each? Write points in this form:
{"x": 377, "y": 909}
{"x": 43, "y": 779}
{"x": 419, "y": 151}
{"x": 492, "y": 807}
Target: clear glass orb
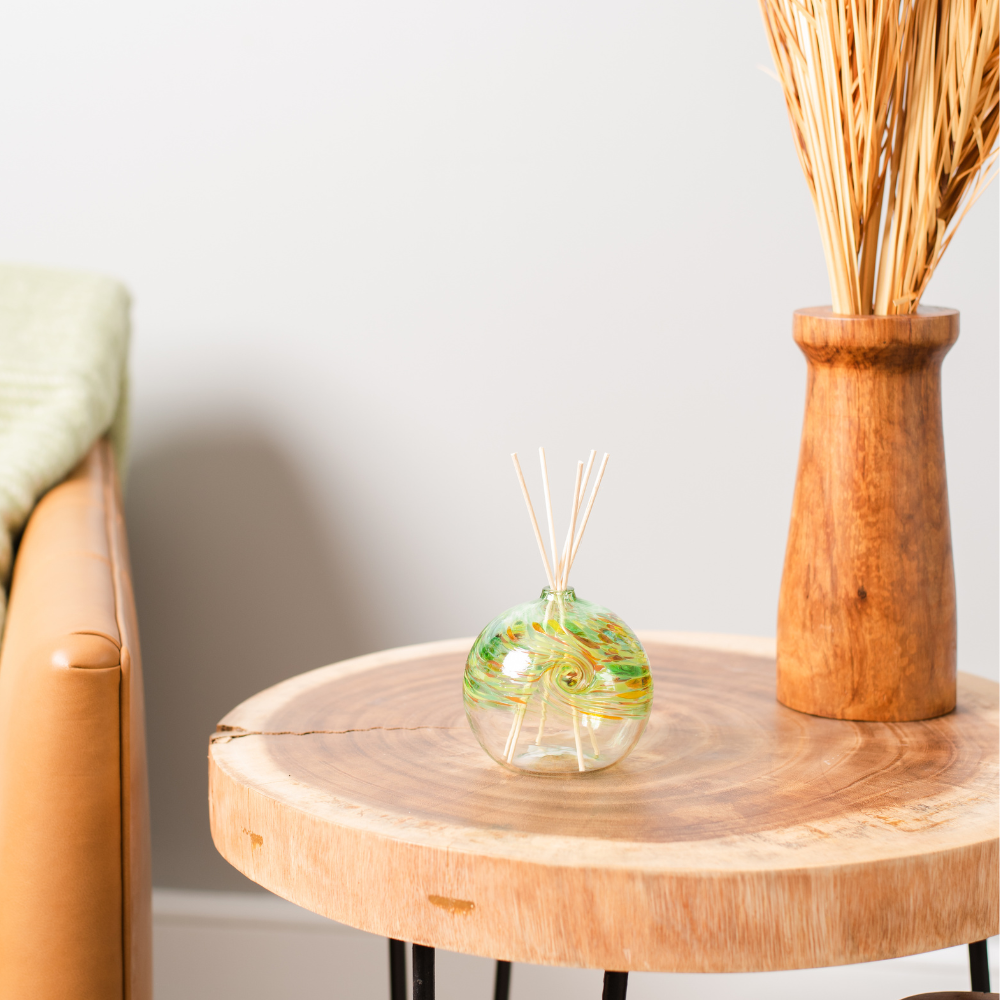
{"x": 557, "y": 685}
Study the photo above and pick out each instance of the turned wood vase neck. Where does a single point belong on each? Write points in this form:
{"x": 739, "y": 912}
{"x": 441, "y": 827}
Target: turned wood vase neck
{"x": 876, "y": 341}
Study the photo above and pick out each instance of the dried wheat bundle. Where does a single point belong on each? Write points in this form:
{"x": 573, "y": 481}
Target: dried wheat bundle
{"x": 893, "y": 107}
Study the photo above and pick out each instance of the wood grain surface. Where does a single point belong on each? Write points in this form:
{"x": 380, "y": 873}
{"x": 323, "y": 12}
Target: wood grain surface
{"x": 739, "y": 836}
{"x": 866, "y": 614}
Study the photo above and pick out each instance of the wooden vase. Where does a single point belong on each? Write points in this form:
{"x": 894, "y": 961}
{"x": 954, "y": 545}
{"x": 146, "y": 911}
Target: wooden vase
{"x": 866, "y": 613}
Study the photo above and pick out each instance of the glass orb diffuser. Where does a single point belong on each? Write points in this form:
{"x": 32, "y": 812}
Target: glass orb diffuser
{"x": 557, "y": 685}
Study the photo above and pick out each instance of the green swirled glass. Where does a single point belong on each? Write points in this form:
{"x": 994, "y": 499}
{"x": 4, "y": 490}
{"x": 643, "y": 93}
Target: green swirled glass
{"x": 557, "y": 685}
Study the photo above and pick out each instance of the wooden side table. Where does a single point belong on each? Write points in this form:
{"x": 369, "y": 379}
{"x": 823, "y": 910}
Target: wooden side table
{"x": 739, "y": 835}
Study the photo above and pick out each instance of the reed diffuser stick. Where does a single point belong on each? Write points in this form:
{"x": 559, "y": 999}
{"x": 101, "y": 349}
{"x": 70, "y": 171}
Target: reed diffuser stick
{"x": 557, "y": 572}
{"x": 590, "y": 507}
{"x": 576, "y": 737}
{"x": 515, "y": 732}
{"x": 548, "y": 506}
{"x": 574, "y": 508}
{"x": 565, "y": 550}
{"x": 534, "y": 520}
{"x": 510, "y": 736}
{"x": 579, "y": 504}
{"x": 586, "y": 474}
{"x": 541, "y": 721}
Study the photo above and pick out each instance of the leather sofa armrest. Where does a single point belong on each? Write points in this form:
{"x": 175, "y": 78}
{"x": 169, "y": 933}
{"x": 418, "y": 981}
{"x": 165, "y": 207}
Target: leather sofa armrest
{"x": 75, "y": 915}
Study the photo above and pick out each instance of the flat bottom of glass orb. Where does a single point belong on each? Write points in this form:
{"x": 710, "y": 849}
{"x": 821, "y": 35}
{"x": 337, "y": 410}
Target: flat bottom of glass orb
{"x": 557, "y": 760}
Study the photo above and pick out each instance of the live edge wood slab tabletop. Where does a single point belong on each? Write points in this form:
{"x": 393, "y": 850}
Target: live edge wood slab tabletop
{"x": 739, "y": 835}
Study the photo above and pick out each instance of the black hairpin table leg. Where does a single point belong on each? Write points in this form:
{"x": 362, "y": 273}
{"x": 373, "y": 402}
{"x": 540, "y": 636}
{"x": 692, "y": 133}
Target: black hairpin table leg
{"x": 501, "y": 991}
{"x": 397, "y": 970}
{"x": 615, "y": 985}
{"x": 979, "y": 967}
{"x": 423, "y": 972}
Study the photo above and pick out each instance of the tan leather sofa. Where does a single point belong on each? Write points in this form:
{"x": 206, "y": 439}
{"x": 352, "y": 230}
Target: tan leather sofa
{"x": 75, "y": 910}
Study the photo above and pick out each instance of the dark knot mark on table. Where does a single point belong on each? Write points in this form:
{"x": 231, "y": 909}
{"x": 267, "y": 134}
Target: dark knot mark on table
{"x": 227, "y": 733}
{"x": 462, "y": 907}
{"x": 256, "y": 840}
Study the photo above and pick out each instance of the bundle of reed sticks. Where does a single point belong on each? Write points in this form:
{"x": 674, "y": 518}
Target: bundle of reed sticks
{"x": 557, "y": 572}
{"x": 893, "y": 106}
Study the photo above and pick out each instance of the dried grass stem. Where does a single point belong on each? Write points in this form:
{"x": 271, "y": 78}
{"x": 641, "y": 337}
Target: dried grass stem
{"x": 894, "y": 113}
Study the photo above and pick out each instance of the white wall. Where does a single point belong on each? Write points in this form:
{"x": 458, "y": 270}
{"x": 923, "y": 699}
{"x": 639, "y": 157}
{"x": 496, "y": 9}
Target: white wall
{"x": 374, "y": 247}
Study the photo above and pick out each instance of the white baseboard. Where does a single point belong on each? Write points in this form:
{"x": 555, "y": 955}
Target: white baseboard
{"x": 259, "y": 947}
{"x": 191, "y": 907}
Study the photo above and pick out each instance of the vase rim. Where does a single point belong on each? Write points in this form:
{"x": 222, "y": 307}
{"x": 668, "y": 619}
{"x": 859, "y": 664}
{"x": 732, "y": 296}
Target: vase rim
{"x": 906, "y": 339}
{"x": 923, "y": 312}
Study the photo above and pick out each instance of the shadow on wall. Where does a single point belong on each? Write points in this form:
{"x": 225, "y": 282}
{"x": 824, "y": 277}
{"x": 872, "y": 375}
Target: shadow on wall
{"x": 237, "y": 587}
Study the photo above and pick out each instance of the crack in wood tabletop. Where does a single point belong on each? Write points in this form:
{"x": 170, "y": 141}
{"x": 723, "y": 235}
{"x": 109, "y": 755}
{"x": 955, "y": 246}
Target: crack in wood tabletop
{"x": 231, "y": 733}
